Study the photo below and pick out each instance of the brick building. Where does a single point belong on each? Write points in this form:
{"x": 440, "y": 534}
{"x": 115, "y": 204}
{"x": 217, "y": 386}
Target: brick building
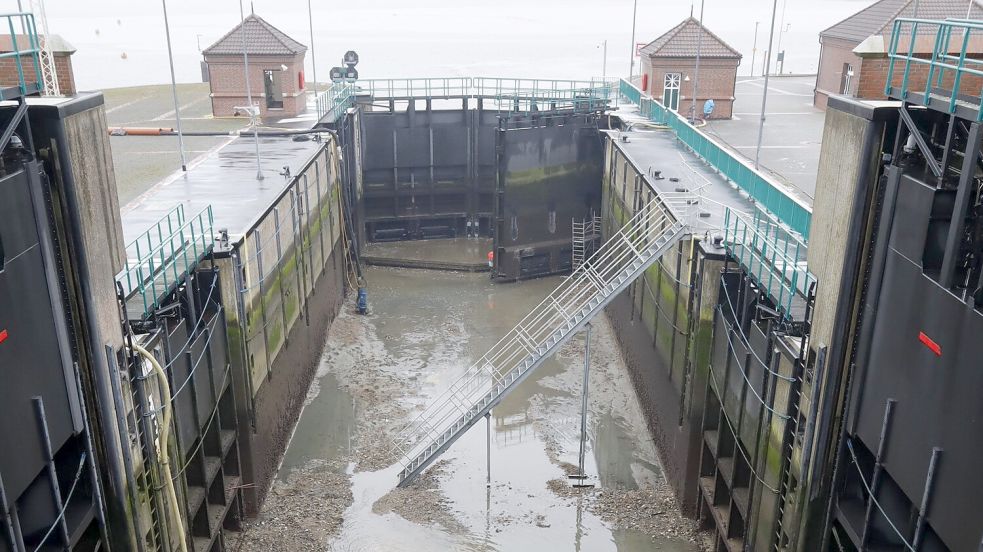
{"x": 61, "y": 51}
{"x": 276, "y": 71}
{"x": 853, "y": 55}
{"x": 669, "y": 69}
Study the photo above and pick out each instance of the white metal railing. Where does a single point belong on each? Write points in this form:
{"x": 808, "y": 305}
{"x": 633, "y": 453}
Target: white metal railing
{"x": 621, "y": 259}
{"x": 505, "y": 93}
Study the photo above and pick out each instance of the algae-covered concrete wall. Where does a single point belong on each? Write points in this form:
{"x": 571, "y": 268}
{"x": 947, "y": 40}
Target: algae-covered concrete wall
{"x": 664, "y": 324}
{"x": 287, "y": 277}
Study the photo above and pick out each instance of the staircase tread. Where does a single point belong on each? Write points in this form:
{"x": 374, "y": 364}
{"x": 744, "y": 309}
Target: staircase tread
{"x": 599, "y": 292}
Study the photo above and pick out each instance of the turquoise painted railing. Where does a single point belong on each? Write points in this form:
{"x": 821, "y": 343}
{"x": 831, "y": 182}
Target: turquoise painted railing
{"x": 506, "y": 93}
{"x": 948, "y": 61}
{"x": 544, "y": 93}
{"x": 441, "y": 87}
{"x": 764, "y": 190}
{"x": 771, "y": 255}
{"x": 26, "y": 53}
{"x": 630, "y": 91}
{"x": 333, "y": 102}
{"x": 162, "y": 256}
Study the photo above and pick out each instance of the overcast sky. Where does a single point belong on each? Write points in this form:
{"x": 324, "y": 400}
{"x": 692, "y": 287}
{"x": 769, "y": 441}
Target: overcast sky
{"x": 121, "y": 42}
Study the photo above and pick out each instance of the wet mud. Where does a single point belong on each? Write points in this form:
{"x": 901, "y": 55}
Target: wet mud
{"x": 336, "y": 486}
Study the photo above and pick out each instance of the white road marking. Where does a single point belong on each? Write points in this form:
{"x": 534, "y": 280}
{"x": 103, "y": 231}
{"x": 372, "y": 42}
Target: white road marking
{"x": 161, "y": 152}
{"x": 783, "y": 113}
{"x": 775, "y": 90}
{"x": 127, "y": 104}
{"x": 170, "y": 113}
{"x": 774, "y": 147}
{"x": 299, "y": 119}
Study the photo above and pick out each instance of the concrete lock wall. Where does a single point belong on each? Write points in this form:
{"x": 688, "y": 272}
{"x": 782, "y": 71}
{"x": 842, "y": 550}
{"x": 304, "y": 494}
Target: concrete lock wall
{"x": 663, "y": 322}
{"x": 547, "y": 178}
{"x": 71, "y": 139}
{"x": 748, "y": 467}
{"x": 426, "y": 173}
{"x": 849, "y": 166}
{"x": 286, "y": 276}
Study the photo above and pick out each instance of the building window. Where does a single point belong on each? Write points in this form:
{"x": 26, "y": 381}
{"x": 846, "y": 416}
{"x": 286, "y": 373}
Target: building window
{"x": 845, "y": 78}
{"x": 273, "y": 87}
{"x": 670, "y": 90}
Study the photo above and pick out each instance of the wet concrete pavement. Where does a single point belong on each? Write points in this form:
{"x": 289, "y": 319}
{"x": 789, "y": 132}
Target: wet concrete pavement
{"x": 793, "y": 129}
{"x": 424, "y": 329}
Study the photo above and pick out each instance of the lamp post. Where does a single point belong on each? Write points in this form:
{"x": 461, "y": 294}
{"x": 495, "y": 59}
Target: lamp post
{"x": 764, "y": 96}
{"x": 754, "y": 49}
{"x": 634, "y": 16}
{"x": 310, "y": 20}
{"x": 249, "y": 94}
{"x": 604, "y": 65}
{"x": 177, "y": 109}
{"x": 696, "y": 73}
{"x": 782, "y": 29}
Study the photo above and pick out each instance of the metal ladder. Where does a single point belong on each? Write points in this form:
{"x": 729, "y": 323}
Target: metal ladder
{"x": 580, "y": 297}
{"x": 586, "y": 234}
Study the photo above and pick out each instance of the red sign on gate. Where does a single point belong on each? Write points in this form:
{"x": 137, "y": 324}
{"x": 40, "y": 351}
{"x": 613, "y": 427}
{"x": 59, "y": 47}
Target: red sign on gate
{"x": 638, "y": 48}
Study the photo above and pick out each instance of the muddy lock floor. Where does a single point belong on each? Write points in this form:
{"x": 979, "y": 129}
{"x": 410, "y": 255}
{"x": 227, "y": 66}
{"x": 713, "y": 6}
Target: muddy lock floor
{"x": 336, "y": 487}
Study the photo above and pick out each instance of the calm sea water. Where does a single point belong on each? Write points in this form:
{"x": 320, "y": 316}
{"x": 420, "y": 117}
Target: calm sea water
{"x": 122, "y": 43}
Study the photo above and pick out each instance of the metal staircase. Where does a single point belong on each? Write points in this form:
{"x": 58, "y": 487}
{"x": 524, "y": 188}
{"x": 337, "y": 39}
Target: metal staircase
{"x": 580, "y": 297}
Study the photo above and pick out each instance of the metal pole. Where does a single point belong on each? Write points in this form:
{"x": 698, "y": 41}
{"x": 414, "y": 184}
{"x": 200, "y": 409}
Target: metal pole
{"x": 23, "y": 25}
{"x": 177, "y": 110}
{"x": 52, "y": 470}
{"x": 754, "y": 49}
{"x": 634, "y": 17}
{"x": 10, "y": 520}
{"x": 604, "y": 67}
{"x": 583, "y": 402}
{"x": 249, "y": 94}
{"x": 94, "y": 480}
{"x": 310, "y": 21}
{"x": 696, "y": 74}
{"x": 781, "y": 31}
{"x": 916, "y": 541}
{"x": 488, "y": 448}
{"x": 764, "y": 95}
{"x": 878, "y": 467}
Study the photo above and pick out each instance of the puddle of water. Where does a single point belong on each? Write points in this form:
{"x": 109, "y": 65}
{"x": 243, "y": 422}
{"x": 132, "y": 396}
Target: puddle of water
{"x": 432, "y": 325}
{"x": 325, "y": 428}
{"x": 367, "y": 531}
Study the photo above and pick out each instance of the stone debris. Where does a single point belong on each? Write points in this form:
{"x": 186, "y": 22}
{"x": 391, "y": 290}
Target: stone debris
{"x": 422, "y": 501}
{"x": 306, "y": 511}
{"x": 301, "y": 513}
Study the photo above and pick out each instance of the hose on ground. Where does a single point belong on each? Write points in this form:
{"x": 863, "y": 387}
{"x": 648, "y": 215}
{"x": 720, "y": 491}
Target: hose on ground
{"x": 269, "y": 132}
{"x": 165, "y": 430}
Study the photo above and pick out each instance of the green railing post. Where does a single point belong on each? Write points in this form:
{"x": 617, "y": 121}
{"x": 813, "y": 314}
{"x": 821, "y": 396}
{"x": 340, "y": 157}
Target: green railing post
{"x": 17, "y": 62}
{"x": 957, "y": 78}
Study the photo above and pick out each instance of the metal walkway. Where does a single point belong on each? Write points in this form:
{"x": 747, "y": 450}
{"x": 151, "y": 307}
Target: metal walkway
{"x": 161, "y": 258}
{"x": 579, "y": 298}
{"x": 503, "y": 94}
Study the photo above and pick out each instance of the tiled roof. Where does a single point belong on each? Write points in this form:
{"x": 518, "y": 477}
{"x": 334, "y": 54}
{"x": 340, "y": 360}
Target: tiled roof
{"x": 261, "y": 39}
{"x": 878, "y": 18}
{"x": 681, "y": 41}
